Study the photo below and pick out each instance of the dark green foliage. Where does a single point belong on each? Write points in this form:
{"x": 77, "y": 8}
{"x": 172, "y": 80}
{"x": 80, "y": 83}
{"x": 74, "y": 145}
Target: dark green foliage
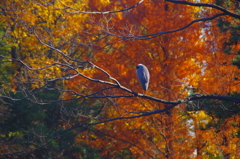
{"x": 218, "y": 109}
{"x": 223, "y": 25}
{"x": 219, "y": 2}
{"x": 236, "y": 61}
{"x": 88, "y": 152}
{"x": 34, "y": 129}
{"x": 234, "y": 30}
{"x": 5, "y": 69}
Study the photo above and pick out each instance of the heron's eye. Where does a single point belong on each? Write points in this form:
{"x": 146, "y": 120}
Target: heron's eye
{"x": 137, "y": 67}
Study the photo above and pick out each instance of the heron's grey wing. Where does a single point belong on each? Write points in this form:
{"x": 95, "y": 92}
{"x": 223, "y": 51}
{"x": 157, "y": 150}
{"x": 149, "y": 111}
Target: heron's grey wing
{"x": 140, "y": 77}
{"x": 143, "y": 77}
{"x": 146, "y": 77}
{"x": 146, "y": 74}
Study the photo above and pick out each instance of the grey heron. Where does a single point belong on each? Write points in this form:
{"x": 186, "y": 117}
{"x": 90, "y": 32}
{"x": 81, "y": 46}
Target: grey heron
{"x": 143, "y": 76}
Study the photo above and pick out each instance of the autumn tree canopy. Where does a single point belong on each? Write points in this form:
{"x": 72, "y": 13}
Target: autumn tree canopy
{"x": 69, "y": 87}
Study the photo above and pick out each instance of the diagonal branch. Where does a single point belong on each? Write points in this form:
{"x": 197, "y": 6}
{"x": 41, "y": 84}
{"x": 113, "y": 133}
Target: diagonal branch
{"x": 113, "y": 86}
{"x": 206, "y": 5}
{"x": 106, "y": 12}
{"x": 66, "y": 56}
{"x": 150, "y": 36}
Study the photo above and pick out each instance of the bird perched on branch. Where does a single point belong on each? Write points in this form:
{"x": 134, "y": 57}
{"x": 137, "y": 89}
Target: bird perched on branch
{"x": 143, "y": 76}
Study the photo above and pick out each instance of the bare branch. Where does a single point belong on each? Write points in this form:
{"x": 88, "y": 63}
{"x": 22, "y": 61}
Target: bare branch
{"x": 206, "y": 5}
{"x": 106, "y": 12}
{"x": 150, "y": 36}
{"x": 113, "y": 86}
{"x": 65, "y": 55}
{"x": 226, "y": 98}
